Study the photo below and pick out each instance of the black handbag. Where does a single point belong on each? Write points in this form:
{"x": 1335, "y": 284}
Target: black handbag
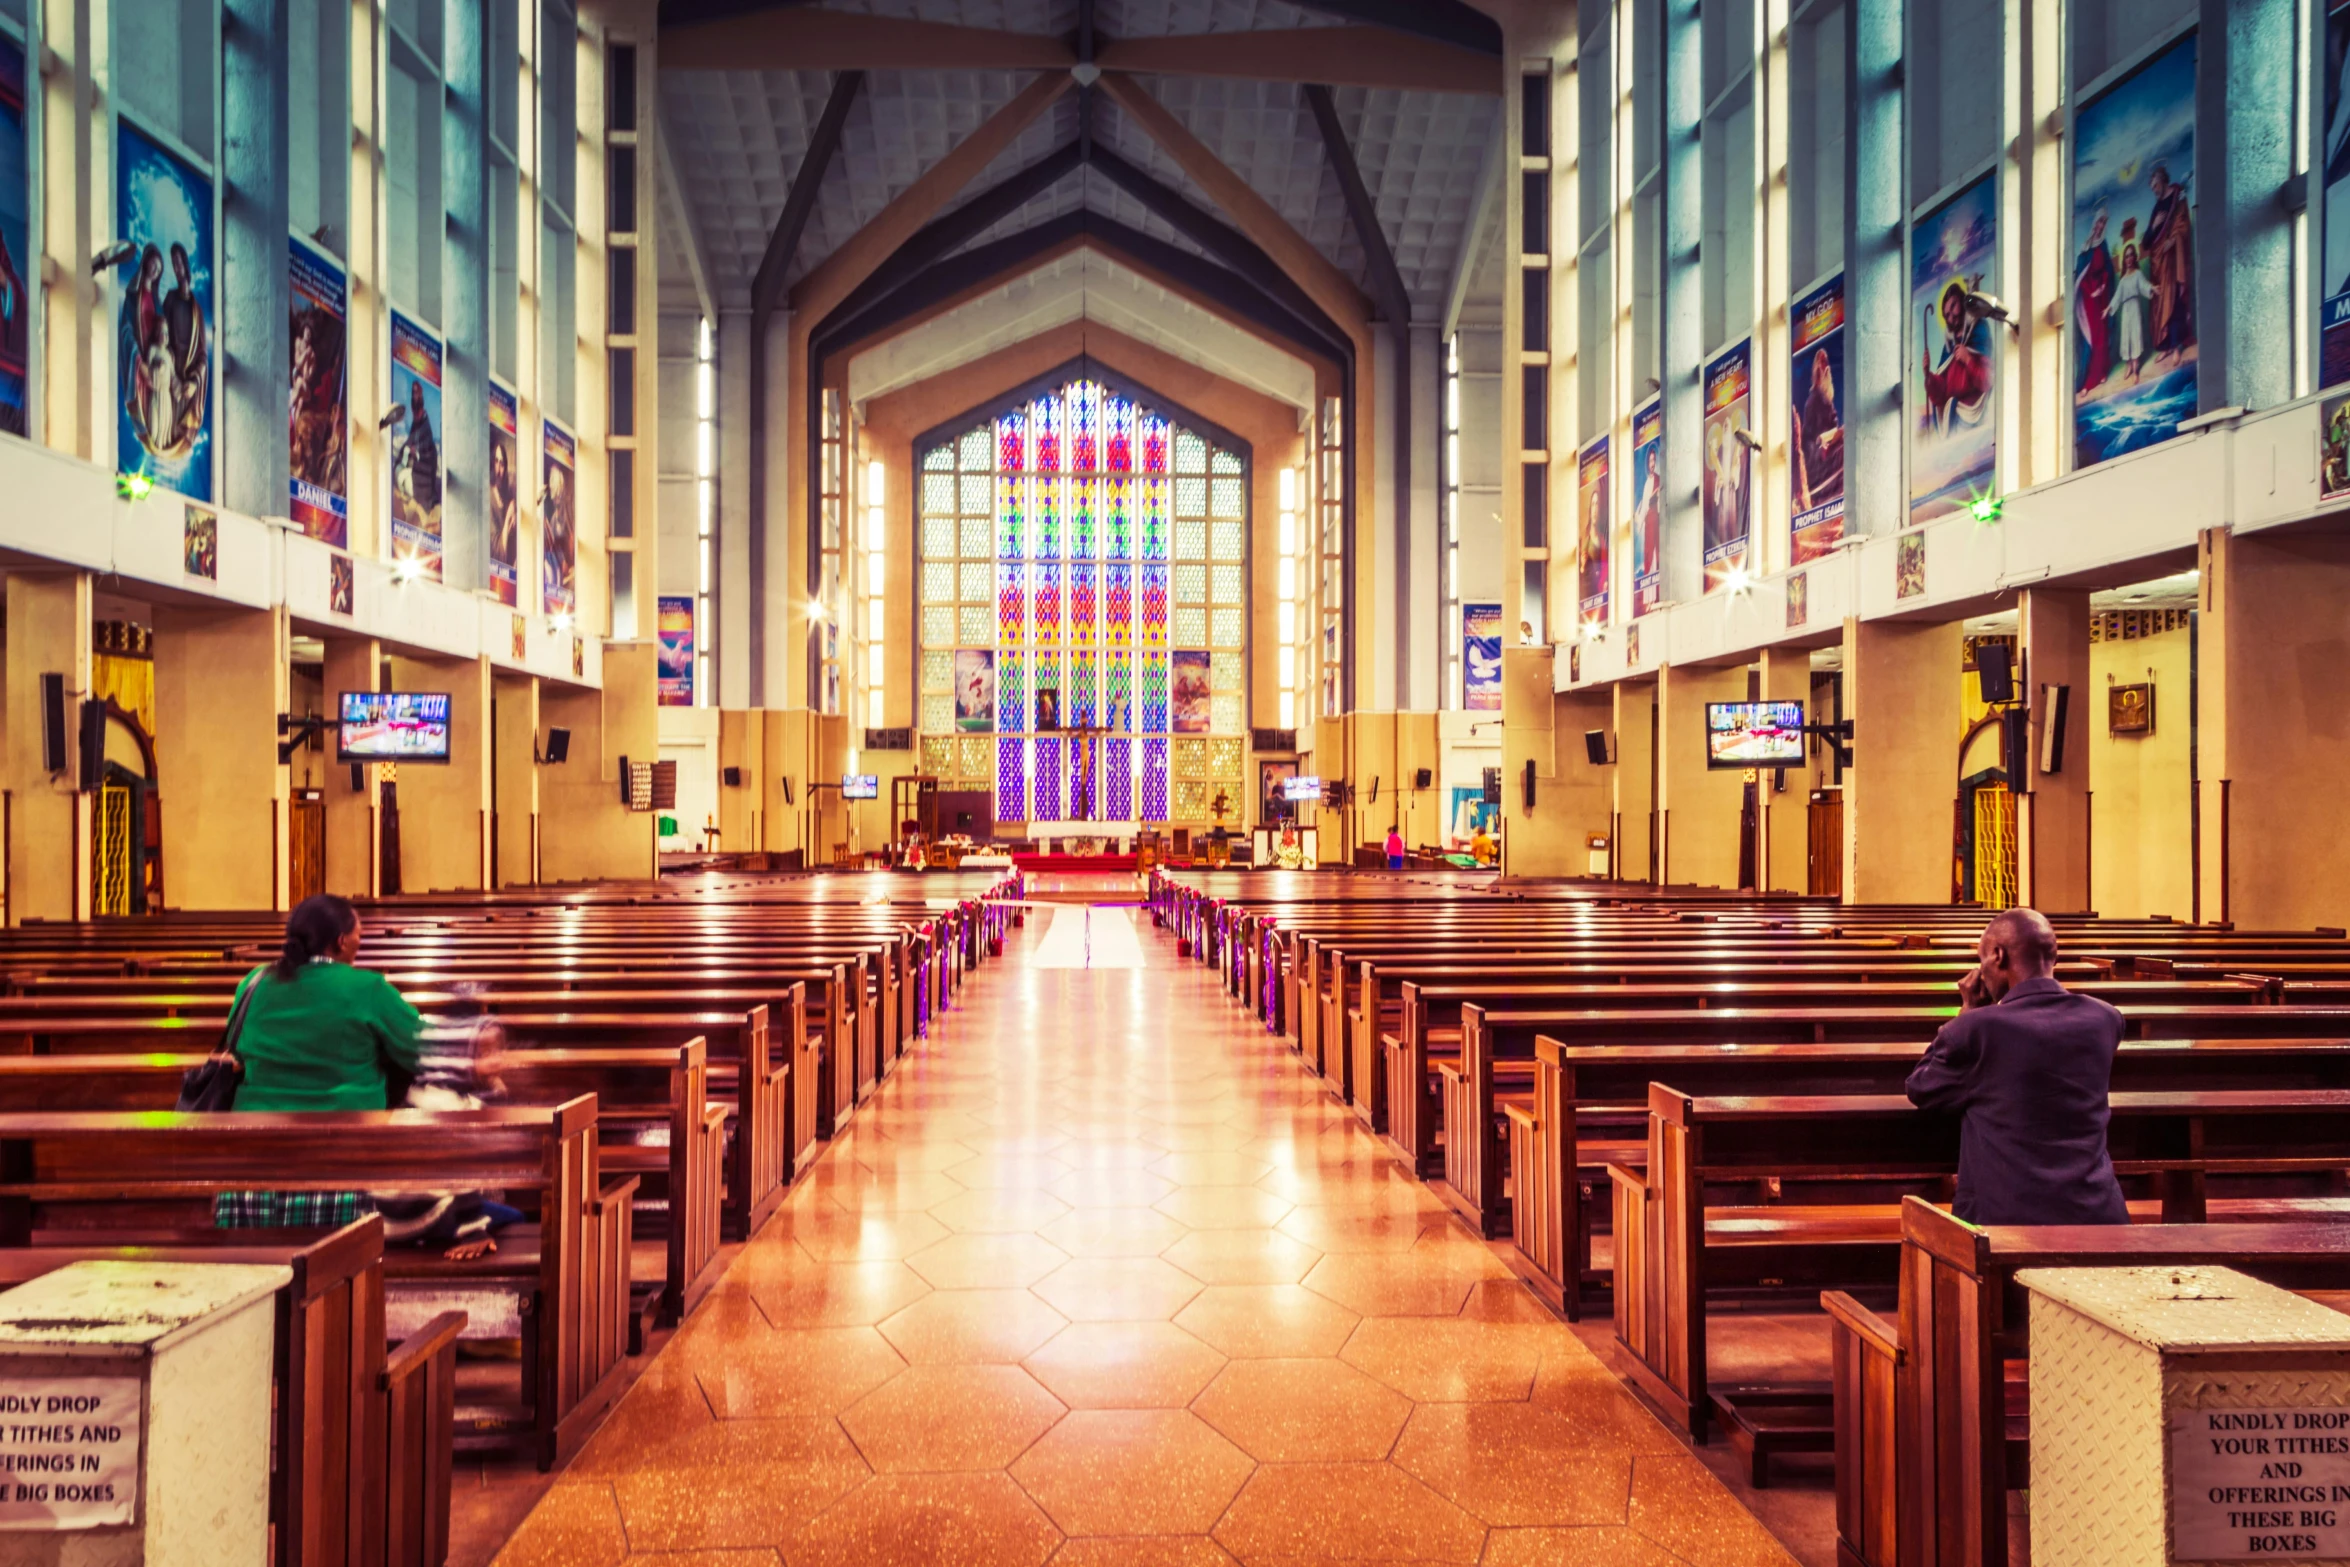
{"x": 211, "y": 1085}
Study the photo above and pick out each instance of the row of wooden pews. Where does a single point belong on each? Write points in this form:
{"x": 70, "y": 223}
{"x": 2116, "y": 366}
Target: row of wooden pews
{"x": 1690, "y": 1104}
{"x": 677, "y": 1053}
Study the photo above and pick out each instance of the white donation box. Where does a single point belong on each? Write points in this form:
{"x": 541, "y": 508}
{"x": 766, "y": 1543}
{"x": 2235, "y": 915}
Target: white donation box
{"x": 2187, "y": 1414}
{"x": 134, "y": 1415}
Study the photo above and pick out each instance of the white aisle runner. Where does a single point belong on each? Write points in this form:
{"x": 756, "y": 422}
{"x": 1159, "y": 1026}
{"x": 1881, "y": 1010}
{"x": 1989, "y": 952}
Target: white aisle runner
{"x": 1083, "y": 937}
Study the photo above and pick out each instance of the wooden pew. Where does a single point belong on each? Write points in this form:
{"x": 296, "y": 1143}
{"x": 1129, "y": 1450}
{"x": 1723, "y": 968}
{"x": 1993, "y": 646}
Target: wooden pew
{"x": 1928, "y": 1433}
{"x": 361, "y": 1437}
{"x": 1841, "y": 1163}
{"x": 107, "y": 1177}
{"x": 1589, "y": 1109}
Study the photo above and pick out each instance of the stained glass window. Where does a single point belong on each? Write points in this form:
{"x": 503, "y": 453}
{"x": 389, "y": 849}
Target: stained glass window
{"x": 1051, "y": 590}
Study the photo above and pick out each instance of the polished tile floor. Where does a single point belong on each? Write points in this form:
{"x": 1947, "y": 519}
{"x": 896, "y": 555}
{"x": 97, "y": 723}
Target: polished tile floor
{"x": 1102, "y": 1277}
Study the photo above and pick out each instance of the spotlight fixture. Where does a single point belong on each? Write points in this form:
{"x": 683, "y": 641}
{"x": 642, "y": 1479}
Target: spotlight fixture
{"x": 133, "y": 486}
{"x": 407, "y": 569}
{"x": 1984, "y": 508}
{"x": 1748, "y": 439}
{"x": 1739, "y": 580}
{"x": 392, "y": 415}
{"x": 1991, "y": 308}
{"x": 113, "y": 255}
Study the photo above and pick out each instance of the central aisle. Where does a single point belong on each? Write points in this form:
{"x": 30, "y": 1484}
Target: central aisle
{"x": 1103, "y": 1276}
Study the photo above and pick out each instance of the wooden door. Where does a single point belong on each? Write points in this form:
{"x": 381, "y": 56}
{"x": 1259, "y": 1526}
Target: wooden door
{"x": 306, "y": 848}
{"x": 1826, "y": 879}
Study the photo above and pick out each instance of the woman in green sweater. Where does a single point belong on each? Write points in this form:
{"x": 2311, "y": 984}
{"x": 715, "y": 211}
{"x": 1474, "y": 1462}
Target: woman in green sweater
{"x": 318, "y": 1034}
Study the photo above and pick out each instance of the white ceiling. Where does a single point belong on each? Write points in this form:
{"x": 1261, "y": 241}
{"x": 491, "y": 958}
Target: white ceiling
{"x": 738, "y": 138}
{"x": 1081, "y": 285}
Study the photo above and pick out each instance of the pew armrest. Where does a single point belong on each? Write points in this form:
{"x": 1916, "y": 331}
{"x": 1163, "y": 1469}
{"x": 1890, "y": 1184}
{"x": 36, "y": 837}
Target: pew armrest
{"x": 415, "y": 1353}
{"x": 1873, "y": 1330}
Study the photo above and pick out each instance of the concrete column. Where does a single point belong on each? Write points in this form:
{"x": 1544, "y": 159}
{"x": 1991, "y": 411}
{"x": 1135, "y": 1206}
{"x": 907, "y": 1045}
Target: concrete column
{"x": 1681, "y": 318}
{"x": 514, "y": 769}
{"x": 1782, "y": 855}
{"x": 586, "y": 832}
{"x": 1573, "y": 803}
{"x": 445, "y": 809}
{"x": 2053, "y": 816}
{"x": 255, "y": 283}
{"x": 1697, "y": 807}
{"x": 466, "y": 274}
{"x": 2269, "y": 735}
{"x": 1901, "y": 693}
{"x": 1876, "y": 271}
{"x": 742, "y": 807}
{"x": 1635, "y": 779}
{"x": 1417, "y": 746}
{"x": 221, "y": 678}
{"x": 48, "y": 864}
{"x": 354, "y": 839}
{"x": 784, "y": 788}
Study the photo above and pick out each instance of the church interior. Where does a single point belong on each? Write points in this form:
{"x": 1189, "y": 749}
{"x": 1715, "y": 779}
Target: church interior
{"x": 1174, "y": 782}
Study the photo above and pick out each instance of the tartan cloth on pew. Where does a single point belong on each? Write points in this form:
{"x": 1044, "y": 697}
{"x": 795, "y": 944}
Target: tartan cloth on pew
{"x": 289, "y": 1210}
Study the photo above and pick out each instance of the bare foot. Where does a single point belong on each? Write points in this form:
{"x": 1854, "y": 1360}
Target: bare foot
{"x": 471, "y": 1251}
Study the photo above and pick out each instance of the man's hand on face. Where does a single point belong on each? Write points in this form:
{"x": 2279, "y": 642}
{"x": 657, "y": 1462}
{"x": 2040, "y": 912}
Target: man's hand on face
{"x": 1974, "y": 990}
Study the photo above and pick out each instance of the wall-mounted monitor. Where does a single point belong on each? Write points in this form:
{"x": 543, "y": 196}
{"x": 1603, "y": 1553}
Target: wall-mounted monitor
{"x": 394, "y": 726}
{"x": 860, "y": 786}
{"x": 1753, "y": 734}
{"x": 1297, "y": 790}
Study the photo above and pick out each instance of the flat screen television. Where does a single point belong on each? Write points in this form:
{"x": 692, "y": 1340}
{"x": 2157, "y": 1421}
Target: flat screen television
{"x": 1753, "y": 734}
{"x": 1297, "y": 789}
{"x": 860, "y": 786}
{"x": 394, "y": 726}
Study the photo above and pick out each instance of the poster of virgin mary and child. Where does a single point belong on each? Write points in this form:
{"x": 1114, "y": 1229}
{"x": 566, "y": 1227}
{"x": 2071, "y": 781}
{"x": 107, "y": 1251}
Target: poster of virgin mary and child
{"x": 2134, "y": 259}
{"x": 163, "y": 338}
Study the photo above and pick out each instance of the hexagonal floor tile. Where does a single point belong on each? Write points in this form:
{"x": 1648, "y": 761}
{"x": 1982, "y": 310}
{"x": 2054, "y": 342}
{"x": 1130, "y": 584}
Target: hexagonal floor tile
{"x": 1213, "y": 1167}
{"x": 972, "y": 1326}
{"x": 1677, "y": 1502}
{"x": 1262, "y": 1320}
{"x": 1133, "y": 1471}
{"x": 835, "y": 1295}
{"x": 737, "y": 1485}
{"x": 1242, "y": 1257}
{"x": 1303, "y": 1411}
{"x": 1113, "y": 1232}
{"x": 1399, "y": 1286}
{"x": 1223, "y": 1207}
{"x": 796, "y": 1371}
{"x": 1117, "y": 1289}
{"x": 1124, "y": 1365}
{"x": 1516, "y": 1464}
{"x": 951, "y": 1417}
{"x": 1110, "y": 1188}
{"x": 1373, "y": 1512}
{"x": 998, "y": 1211}
{"x": 828, "y": 1232}
{"x": 972, "y": 1520}
{"x": 1446, "y": 1359}
{"x": 1006, "y": 1172}
{"x": 574, "y": 1525}
{"x": 1005, "y": 1261}
{"x": 1589, "y": 1547}
{"x": 1143, "y": 1550}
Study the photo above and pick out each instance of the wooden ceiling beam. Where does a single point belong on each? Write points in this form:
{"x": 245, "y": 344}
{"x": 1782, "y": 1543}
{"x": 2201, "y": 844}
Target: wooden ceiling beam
{"x": 807, "y": 39}
{"x": 1255, "y": 217}
{"x": 1453, "y": 22}
{"x": 800, "y": 204}
{"x": 832, "y": 279}
{"x": 1341, "y": 56}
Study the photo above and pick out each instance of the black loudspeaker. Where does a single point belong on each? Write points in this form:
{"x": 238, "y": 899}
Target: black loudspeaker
{"x": 558, "y": 746}
{"x": 2055, "y": 707}
{"x": 1528, "y": 786}
{"x": 53, "y": 723}
{"x": 1595, "y": 747}
{"x": 93, "y": 769}
{"x": 2015, "y": 741}
{"x": 358, "y": 778}
{"x": 1423, "y": 777}
{"x": 1374, "y": 788}
{"x": 1995, "y": 673}
{"x": 734, "y": 778}
{"x": 1492, "y": 786}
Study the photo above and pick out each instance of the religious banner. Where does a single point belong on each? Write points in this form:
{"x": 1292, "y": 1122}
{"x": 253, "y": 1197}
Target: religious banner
{"x": 1648, "y": 506}
{"x": 558, "y": 543}
{"x": 163, "y": 333}
{"x": 16, "y": 238}
{"x": 1591, "y": 535}
{"x": 676, "y": 632}
{"x": 2134, "y": 259}
{"x": 416, "y": 448}
{"x": 1816, "y": 467}
{"x": 2333, "y": 355}
{"x": 1954, "y": 363}
{"x": 1481, "y": 658}
{"x": 1193, "y": 701}
{"x": 1729, "y": 466}
{"x": 505, "y": 512}
{"x": 318, "y": 407}
{"x": 975, "y": 689}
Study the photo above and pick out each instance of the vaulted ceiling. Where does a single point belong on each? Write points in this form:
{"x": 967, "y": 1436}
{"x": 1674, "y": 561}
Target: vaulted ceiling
{"x": 1407, "y": 89}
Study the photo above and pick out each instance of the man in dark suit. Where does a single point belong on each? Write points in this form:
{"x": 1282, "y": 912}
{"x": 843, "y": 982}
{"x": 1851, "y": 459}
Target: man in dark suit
{"x": 2028, "y": 1065}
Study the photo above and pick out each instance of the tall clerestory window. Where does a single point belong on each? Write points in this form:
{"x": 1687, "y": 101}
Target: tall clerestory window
{"x": 1083, "y": 584}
